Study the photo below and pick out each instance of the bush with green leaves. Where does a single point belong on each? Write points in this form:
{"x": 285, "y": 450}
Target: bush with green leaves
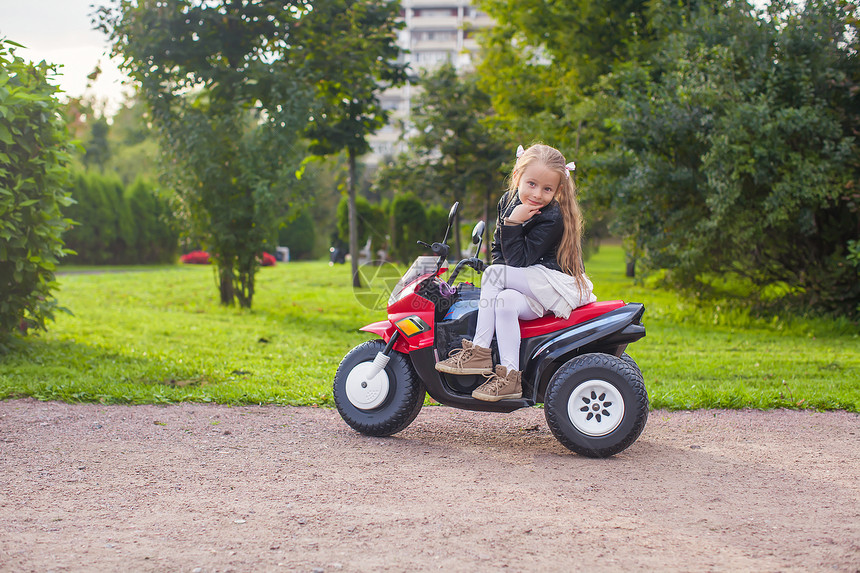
{"x": 735, "y": 156}
{"x": 156, "y": 238}
{"x": 718, "y": 137}
{"x": 372, "y": 223}
{"x": 115, "y": 224}
{"x": 298, "y": 235}
{"x": 35, "y": 150}
{"x": 103, "y": 226}
{"x": 408, "y": 225}
{"x": 227, "y": 89}
{"x": 437, "y": 222}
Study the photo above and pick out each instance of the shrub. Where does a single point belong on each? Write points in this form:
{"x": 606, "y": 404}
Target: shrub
{"x": 437, "y": 222}
{"x": 34, "y": 153}
{"x": 299, "y": 235}
{"x": 409, "y": 225}
{"x": 155, "y": 238}
{"x": 733, "y": 151}
{"x": 115, "y": 224}
{"x": 372, "y": 223}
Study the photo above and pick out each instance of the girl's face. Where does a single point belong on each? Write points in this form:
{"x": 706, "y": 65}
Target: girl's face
{"x": 537, "y": 185}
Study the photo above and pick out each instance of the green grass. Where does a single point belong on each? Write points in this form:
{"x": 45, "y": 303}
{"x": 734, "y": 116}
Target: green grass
{"x": 158, "y": 335}
{"x": 711, "y": 357}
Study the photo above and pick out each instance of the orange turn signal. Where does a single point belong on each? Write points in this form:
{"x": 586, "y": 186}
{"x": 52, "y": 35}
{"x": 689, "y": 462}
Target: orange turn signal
{"x": 411, "y": 325}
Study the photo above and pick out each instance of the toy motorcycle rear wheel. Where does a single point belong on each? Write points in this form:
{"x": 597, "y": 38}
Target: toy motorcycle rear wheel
{"x": 596, "y": 405}
{"x": 384, "y": 404}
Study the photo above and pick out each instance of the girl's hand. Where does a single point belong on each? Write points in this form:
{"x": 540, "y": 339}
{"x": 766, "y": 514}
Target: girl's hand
{"x": 522, "y": 213}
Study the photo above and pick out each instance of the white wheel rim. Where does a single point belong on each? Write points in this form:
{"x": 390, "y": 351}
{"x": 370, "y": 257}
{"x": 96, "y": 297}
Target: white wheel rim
{"x": 595, "y": 408}
{"x": 366, "y": 394}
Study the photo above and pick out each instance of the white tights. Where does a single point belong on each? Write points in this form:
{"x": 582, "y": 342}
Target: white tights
{"x": 503, "y": 303}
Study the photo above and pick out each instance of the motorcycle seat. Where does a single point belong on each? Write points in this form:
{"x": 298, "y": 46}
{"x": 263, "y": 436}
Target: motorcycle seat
{"x": 550, "y": 323}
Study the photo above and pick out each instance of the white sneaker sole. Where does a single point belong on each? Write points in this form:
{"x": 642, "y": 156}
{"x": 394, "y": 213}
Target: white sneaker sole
{"x": 492, "y": 398}
{"x": 461, "y": 371}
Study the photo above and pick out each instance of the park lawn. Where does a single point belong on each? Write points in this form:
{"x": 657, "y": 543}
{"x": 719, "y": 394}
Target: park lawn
{"x": 158, "y": 335}
{"x": 711, "y": 356}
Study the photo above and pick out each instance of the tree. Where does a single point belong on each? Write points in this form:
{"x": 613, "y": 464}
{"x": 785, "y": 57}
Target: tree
{"x": 226, "y": 91}
{"x": 134, "y": 144}
{"x": 560, "y": 50}
{"x": 35, "y": 150}
{"x": 97, "y": 147}
{"x": 127, "y": 146}
{"x": 409, "y": 225}
{"x": 350, "y": 45}
{"x": 367, "y": 225}
{"x": 735, "y": 154}
{"x": 455, "y": 148}
{"x": 720, "y": 137}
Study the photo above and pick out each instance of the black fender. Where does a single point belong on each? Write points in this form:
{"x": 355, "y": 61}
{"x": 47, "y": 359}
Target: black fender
{"x": 609, "y": 334}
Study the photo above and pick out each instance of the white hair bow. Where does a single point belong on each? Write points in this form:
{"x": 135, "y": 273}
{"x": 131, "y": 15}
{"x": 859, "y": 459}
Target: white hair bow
{"x": 569, "y": 167}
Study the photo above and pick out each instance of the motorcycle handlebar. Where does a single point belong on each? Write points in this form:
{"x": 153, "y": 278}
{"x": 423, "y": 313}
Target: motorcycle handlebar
{"x": 473, "y": 262}
{"x": 440, "y": 249}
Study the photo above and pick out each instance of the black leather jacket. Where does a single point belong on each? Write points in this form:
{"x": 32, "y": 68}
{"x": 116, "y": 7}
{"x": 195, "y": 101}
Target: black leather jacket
{"x": 535, "y": 242}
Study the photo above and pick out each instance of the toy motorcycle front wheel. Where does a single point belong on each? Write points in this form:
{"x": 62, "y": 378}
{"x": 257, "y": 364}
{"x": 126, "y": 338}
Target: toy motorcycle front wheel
{"x": 383, "y": 404}
{"x": 596, "y": 405}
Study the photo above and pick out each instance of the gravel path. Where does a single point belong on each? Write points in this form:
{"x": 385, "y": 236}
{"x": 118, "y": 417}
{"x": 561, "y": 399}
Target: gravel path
{"x": 204, "y": 488}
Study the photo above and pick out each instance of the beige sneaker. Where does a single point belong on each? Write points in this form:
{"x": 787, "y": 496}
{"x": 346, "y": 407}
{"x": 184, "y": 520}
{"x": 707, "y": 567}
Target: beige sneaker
{"x": 470, "y": 359}
{"x": 502, "y": 385}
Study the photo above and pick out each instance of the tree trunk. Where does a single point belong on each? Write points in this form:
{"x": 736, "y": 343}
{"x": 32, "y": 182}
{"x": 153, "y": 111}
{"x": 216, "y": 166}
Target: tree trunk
{"x": 246, "y": 285}
{"x": 353, "y": 218}
{"x": 225, "y": 280}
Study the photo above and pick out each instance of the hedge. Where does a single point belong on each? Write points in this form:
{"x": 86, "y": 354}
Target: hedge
{"x": 115, "y": 224}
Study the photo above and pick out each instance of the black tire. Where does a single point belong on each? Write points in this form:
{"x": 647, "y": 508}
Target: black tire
{"x": 629, "y": 360}
{"x": 396, "y": 405}
{"x": 596, "y": 405}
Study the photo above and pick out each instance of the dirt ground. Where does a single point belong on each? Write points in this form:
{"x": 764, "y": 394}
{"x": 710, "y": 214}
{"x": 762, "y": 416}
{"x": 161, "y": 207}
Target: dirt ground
{"x": 204, "y": 488}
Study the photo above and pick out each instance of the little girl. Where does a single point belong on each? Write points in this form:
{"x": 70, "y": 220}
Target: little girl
{"x": 537, "y": 268}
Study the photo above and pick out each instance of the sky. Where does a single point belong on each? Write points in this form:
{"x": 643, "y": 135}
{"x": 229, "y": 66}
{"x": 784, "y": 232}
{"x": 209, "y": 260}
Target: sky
{"x": 60, "y": 32}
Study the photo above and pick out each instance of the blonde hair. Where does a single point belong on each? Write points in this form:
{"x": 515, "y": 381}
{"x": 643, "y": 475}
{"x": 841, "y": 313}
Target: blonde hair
{"x": 569, "y": 252}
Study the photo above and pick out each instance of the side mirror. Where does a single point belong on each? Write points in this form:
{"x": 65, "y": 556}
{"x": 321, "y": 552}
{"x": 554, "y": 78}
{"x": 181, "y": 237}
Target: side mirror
{"x": 478, "y": 232}
{"x": 478, "y": 236}
{"x": 451, "y": 214}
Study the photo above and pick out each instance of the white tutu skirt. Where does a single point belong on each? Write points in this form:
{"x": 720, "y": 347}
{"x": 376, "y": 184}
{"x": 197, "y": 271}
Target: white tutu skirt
{"x": 556, "y": 292}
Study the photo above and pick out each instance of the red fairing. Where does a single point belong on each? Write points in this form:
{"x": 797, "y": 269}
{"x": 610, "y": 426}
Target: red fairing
{"x": 409, "y": 304}
{"x": 385, "y": 329}
{"x": 549, "y": 323}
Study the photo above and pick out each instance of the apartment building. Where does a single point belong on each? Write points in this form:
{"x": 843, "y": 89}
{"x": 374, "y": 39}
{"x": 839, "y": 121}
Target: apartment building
{"x": 435, "y": 32}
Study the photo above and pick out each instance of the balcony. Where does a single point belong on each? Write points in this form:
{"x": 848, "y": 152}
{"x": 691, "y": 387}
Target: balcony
{"x": 433, "y": 22}
{"x": 435, "y": 4}
{"x": 434, "y": 45}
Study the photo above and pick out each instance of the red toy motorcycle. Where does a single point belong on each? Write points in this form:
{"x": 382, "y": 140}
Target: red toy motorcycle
{"x": 593, "y": 393}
